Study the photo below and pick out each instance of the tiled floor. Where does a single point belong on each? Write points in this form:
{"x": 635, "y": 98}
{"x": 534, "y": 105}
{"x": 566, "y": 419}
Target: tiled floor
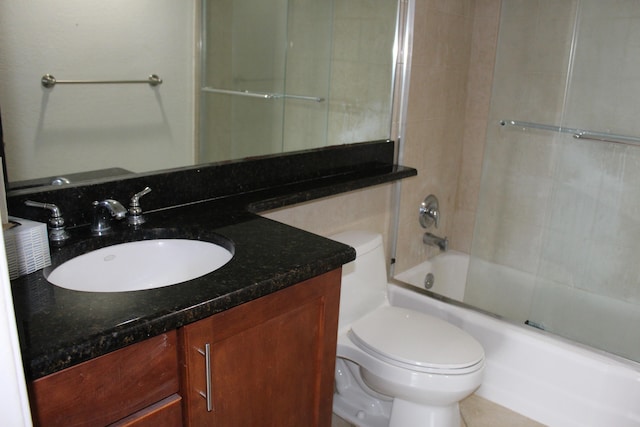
{"x": 478, "y": 412}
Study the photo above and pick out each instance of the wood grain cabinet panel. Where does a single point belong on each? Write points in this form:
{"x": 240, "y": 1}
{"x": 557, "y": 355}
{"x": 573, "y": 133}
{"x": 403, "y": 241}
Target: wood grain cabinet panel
{"x": 271, "y": 360}
{"x": 166, "y": 413}
{"x": 108, "y": 388}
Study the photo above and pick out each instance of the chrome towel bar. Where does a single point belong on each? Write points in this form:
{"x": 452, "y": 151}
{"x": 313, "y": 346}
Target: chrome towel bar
{"x": 49, "y": 81}
{"x": 577, "y": 133}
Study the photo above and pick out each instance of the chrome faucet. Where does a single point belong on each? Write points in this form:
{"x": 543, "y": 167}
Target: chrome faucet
{"x": 103, "y": 212}
{"x": 433, "y": 240}
{"x": 429, "y": 215}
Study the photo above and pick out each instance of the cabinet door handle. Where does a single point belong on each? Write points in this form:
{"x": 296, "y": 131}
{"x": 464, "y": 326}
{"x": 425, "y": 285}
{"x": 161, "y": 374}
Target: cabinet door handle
{"x": 207, "y": 363}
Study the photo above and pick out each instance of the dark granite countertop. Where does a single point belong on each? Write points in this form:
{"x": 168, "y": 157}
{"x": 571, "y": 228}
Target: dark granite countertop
{"x": 59, "y": 328}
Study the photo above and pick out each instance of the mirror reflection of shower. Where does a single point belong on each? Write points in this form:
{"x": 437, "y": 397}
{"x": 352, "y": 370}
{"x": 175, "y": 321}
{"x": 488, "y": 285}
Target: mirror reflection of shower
{"x": 284, "y": 75}
{"x": 558, "y": 222}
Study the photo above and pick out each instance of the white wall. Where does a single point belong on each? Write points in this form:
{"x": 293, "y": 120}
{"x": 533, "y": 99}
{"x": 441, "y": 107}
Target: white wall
{"x": 13, "y": 392}
{"x": 74, "y": 128}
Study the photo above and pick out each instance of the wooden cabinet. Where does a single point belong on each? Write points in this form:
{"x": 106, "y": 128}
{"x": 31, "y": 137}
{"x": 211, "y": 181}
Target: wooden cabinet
{"x": 131, "y": 382}
{"x": 271, "y": 361}
{"x": 165, "y": 413}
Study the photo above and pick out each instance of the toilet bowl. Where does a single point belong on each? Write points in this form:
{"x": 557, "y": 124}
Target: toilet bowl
{"x": 396, "y": 367}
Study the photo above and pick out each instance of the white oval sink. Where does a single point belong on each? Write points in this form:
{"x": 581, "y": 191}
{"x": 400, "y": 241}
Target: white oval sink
{"x": 134, "y": 266}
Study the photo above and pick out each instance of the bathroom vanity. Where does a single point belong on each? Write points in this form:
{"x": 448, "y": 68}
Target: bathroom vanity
{"x": 269, "y": 359}
{"x": 253, "y": 340}
{"x": 252, "y": 343}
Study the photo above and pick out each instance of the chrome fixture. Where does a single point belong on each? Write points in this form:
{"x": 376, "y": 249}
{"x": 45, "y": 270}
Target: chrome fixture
{"x": 49, "y": 81}
{"x": 432, "y": 240}
{"x": 263, "y": 95}
{"x": 57, "y": 233}
{"x": 135, "y": 211}
{"x": 60, "y": 180}
{"x": 429, "y": 212}
{"x": 429, "y": 280}
{"x": 206, "y": 353}
{"x": 577, "y": 133}
{"x": 103, "y": 212}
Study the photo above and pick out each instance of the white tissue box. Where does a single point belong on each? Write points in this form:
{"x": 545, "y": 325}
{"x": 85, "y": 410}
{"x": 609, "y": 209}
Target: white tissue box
{"x": 27, "y": 247}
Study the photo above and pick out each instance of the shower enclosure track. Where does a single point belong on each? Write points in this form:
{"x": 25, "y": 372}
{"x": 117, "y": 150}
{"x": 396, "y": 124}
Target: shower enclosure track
{"x": 577, "y": 133}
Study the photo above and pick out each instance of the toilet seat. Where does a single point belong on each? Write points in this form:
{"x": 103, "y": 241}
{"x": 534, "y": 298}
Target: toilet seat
{"x": 417, "y": 341}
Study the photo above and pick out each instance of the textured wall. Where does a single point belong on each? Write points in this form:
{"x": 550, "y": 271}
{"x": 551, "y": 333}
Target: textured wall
{"x": 75, "y": 128}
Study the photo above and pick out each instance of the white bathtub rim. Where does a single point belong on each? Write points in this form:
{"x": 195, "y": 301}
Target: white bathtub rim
{"x": 443, "y": 301}
{"x": 543, "y": 398}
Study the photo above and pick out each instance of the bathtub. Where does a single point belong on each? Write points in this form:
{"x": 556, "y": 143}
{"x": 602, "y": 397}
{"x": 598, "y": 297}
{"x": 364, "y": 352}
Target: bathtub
{"x": 546, "y": 378}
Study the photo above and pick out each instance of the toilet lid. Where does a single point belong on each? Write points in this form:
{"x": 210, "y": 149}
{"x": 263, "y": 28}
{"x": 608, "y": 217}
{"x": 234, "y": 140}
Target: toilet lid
{"x": 406, "y": 337}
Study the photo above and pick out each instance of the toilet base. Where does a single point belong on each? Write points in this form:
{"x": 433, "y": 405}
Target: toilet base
{"x": 403, "y": 414}
{"x": 361, "y": 416}
{"x": 352, "y": 403}
{"x": 355, "y": 402}
{"x": 409, "y": 414}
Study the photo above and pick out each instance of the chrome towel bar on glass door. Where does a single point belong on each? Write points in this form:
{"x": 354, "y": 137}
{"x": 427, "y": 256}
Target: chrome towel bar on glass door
{"x": 49, "y": 81}
{"x": 262, "y": 94}
{"x": 577, "y": 133}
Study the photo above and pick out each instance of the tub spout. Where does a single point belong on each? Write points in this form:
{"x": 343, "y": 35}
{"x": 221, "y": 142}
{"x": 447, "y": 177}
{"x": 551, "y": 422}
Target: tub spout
{"x": 432, "y": 240}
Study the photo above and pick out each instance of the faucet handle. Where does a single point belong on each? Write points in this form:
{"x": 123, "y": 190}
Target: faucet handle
{"x": 135, "y": 199}
{"x": 135, "y": 211}
{"x": 57, "y": 233}
{"x": 429, "y": 212}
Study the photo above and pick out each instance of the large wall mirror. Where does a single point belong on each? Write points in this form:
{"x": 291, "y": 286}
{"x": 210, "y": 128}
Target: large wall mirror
{"x": 240, "y": 78}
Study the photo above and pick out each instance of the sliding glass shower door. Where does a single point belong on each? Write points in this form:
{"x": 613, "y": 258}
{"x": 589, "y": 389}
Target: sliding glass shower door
{"x": 265, "y": 76}
{"x": 558, "y": 222}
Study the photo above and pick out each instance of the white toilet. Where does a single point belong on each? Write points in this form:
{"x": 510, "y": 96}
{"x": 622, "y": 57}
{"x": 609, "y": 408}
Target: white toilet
{"x": 396, "y": 367}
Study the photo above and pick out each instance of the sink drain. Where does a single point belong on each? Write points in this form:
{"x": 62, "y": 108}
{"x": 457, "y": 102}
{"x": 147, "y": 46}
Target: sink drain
{"x": 429, "y": 280}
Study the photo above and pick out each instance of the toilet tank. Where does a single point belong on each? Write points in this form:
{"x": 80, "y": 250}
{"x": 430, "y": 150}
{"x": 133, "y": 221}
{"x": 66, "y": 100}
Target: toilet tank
{"x": 364, "y": 280}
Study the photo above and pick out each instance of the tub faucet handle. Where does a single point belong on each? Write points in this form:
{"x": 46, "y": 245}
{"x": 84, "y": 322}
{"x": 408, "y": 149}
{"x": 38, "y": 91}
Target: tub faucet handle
{"x": 429, "y": 212}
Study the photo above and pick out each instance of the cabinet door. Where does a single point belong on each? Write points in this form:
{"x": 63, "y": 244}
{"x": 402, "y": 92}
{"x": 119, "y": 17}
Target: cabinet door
{"x": 271, "y": 360}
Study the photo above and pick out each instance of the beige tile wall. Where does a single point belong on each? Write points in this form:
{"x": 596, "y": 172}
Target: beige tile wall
{"x": 367, "y": 209}
{"x": 452, "y": 68}
{"x": 481, "y": 64}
